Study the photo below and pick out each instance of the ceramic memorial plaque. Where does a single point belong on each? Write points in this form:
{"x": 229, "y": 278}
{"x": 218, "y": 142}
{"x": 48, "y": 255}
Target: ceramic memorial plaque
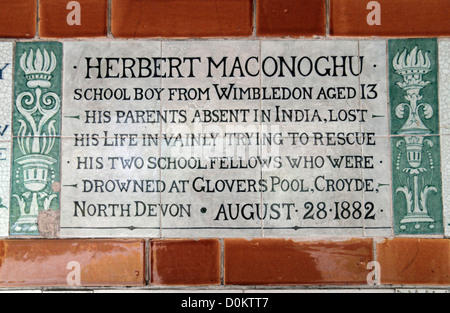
{"x": 225, "y": 139}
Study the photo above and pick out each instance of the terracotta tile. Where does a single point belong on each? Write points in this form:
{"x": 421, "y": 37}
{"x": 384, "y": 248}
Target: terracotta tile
{"x": 400, "y": 18}
{"x": 53, "y": 19}
{"x": 414, "y": 261}
{"x": 283, "y": 262}
{"x": 44, "y": 262}
{"x": 185, "y": 262}
{"x": 18, "y": 18}
{"x": 181, "y": 18}
{"x": 293, "y": 18}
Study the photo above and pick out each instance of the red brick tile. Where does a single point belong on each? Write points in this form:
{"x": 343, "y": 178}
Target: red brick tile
{"x": 399, "y": 18}
{"x": 53, "y": 19}
{"x": 185, "y": 262}
{"x": 181, "y": 18}
{"x": 414, "y": 261}
{"x": 25, "y": 263}
{"x": 295, "y": 18}
{"x": 283, "y": 262}
{"x": 18, "y": 18}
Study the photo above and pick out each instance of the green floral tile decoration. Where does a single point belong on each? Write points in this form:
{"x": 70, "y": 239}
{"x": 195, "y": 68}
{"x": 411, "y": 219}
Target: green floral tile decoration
{"x": 36, "y": 129}
{"x": 417, "y": 186}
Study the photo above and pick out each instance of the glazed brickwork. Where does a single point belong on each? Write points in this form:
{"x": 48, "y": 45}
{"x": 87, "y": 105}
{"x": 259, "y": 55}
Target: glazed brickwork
{"x": 61, "y": 134}
{"x": 399, "y": 18}
{"x": 181, "y": 18}
{"x": 53, "y": 19}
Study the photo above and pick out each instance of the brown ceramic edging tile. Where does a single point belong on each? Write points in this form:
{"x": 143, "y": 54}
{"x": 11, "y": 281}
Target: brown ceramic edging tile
{"x": 291, "y": 18}
{"x": 18, "y": 19}
{"x": 185, "y": 262}
{"x": 53, "y": 19}
{"x": 181, "y": 18}
{"x": 414, "y": 261}
{"x": 400, "y": 18}
{"x": 28, "y": 263}
{"x": 288, "y": 262}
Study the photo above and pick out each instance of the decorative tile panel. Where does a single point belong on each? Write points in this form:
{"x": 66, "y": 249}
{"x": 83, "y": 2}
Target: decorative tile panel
{"x": 36, "y": 129}
{"x": 415, "y": 143}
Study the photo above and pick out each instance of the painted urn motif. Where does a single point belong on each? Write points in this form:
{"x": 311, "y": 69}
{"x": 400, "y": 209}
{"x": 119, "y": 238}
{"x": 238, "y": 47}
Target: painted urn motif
{"x": 416, "y": 187}
{"x": 36, "y": 137}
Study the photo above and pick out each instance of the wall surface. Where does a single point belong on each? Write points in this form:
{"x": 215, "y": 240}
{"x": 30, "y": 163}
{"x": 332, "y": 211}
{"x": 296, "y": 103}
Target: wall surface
{"x": 325, "y": 168}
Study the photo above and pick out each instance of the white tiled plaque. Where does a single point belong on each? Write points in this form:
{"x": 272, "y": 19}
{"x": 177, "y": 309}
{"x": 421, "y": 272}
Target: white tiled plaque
{"x": 225, "y": 139}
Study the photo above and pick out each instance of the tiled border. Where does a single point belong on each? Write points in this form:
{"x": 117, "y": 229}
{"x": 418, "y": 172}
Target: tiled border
{"x": 249, "y": 266}
{"x": 37, "y": 131}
